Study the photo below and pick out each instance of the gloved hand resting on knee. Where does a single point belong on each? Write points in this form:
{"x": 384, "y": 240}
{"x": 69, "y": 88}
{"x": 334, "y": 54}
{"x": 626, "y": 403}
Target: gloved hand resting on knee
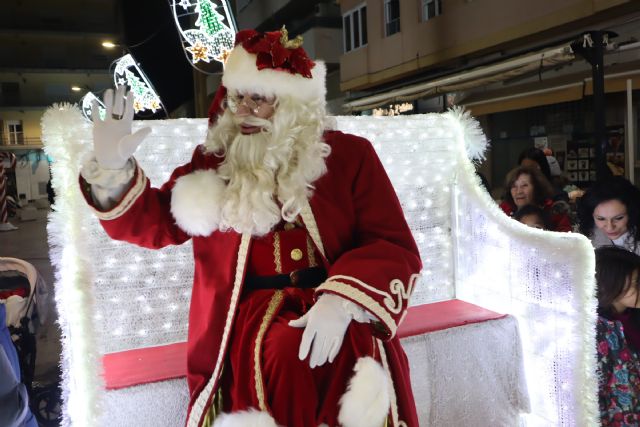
{"x": 325, "y": 325}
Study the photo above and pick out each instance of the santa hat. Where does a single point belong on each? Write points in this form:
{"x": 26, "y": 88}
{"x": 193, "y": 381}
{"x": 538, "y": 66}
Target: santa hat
{"x": 269, "y": 64}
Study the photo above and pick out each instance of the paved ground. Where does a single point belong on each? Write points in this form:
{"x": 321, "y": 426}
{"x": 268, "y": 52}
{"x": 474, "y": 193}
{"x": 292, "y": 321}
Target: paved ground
{"x": 29, "y": 243}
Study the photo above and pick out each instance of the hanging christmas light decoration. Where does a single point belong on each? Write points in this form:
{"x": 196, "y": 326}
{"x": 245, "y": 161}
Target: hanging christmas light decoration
{"x": 128, "y": 73}
{"x": 86, "y": 103}
{"x": 210, "y": 35}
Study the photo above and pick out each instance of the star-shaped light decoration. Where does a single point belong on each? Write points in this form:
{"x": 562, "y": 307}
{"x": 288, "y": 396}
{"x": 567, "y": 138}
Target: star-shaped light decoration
{"x": 186, "y": 4}
{"x": 223, "y": 56}
{"x": 137, "y": 106}
{"x": 154, "y": 106}
{"x": 199, "y": 52}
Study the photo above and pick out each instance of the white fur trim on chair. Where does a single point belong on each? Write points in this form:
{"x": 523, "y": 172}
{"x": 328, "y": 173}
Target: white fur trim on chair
{"x": 366, "y": 401}
{"x": 195, "y": 202}
{"x": 471, "y": 135}
{"x": 250, "y": 418}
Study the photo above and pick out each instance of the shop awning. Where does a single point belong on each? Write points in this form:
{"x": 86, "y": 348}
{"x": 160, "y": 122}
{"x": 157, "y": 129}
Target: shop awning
{"x": 569, "y": 88}
{"x": 476, "y": 77}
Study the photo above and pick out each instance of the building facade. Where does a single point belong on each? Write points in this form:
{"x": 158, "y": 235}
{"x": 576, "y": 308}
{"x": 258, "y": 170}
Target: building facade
{"x": 513, "y": 63}
{"x": 50, "y": 52}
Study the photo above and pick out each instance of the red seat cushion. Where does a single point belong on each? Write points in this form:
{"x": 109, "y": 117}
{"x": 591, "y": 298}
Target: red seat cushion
{"x": 145, "y": 365}
{"x": 436, "y": 316}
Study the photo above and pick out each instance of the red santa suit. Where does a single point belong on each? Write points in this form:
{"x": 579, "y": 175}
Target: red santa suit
{"x": 356, "y": 225}
{"x": 241, "y": 351}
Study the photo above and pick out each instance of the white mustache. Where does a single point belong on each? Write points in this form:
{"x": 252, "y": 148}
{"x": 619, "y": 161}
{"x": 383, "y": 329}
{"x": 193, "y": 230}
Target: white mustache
{"x": 253, "y": 121}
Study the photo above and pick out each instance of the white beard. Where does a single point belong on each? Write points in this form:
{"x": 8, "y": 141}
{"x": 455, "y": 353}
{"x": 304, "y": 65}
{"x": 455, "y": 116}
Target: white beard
{"x": 268, "y": 175}
{"x": 249, "y": 169}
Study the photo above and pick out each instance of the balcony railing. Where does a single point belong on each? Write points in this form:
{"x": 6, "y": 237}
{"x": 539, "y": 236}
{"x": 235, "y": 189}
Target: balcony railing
{"x": 18, "y": 143}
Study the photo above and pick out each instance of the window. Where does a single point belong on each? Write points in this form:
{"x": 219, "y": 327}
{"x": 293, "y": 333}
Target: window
{"x": 392, "y": 16}
{"x": 354, "y": 28}
{"x": 431, "y": 9}
{"x": 14, "y": 132}
{"x": 9, "y": 94}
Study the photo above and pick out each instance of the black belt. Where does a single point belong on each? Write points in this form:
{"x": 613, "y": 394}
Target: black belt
{"x": 305, "y": 278}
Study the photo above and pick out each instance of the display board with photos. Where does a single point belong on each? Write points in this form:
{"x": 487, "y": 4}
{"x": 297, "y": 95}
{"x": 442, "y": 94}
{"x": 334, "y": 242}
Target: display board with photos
{"x": 580, "y": 166}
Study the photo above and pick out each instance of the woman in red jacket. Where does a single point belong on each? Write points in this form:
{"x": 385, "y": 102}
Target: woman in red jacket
{"x": 528, "y": 186}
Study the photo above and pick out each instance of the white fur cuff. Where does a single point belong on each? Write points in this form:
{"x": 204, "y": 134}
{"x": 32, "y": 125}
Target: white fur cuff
{"x": 108, "y": 186}
{"x": 94, "y": 174}
{"x": 366, "y": 402}
{"x": 196, "y": 200}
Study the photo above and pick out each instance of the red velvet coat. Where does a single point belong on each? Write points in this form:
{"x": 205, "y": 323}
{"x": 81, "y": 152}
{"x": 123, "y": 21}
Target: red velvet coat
{"x": 355, "y": 221}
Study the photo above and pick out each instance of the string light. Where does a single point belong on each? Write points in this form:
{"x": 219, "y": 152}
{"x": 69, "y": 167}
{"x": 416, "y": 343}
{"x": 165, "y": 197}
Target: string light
{"x": 86, "y": 104}
{"x": 128, "y": 73}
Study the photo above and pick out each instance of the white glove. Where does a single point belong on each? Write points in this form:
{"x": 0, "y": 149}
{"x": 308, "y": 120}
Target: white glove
{"x": 324, "y": 327}
{"x": 113, "y": 142}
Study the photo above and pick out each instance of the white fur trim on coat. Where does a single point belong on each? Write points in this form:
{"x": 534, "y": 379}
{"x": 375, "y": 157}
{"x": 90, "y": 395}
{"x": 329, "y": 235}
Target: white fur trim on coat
{"x": 241, "y": 74}
{"x": 250, "y": 418}
{"x": 366, "y": 401}
{"x": 196, "y": 200}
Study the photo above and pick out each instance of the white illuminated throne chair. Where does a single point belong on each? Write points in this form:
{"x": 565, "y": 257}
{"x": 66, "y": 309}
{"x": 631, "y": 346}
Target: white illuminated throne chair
{"x": 501, "y": 328}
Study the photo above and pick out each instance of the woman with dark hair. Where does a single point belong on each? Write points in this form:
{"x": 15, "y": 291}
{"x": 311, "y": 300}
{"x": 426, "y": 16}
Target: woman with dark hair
{"x": 618, "y": 336}
{"x": 533, "y": 216}
{"x": 528, "y": 186}
{"x": 535, "y": 158}
{"x": 609, "y": 214}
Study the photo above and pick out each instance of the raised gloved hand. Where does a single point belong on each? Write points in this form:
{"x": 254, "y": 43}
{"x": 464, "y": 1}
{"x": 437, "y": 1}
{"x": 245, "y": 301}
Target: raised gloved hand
{"x": 113, "y": 142}
{"x": 324, "y": 327}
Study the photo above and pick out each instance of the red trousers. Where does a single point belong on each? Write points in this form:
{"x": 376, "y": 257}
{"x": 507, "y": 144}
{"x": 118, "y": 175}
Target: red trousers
{"x": 263, "y": 371}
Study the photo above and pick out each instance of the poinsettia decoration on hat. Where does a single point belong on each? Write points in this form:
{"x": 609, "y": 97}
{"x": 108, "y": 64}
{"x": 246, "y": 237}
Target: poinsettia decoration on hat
{"x": 274, "y": 50}
{"x": 269, "y": 64}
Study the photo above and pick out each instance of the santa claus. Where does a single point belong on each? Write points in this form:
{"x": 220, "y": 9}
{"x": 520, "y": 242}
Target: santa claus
{"x": 303, "y": 260}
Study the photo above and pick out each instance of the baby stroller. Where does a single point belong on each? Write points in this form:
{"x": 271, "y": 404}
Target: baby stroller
{"x": 23, "y": 298}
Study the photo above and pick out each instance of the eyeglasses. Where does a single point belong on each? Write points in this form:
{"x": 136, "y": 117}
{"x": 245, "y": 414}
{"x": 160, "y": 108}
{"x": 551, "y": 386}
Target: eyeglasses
{"x": 253, "y": 102}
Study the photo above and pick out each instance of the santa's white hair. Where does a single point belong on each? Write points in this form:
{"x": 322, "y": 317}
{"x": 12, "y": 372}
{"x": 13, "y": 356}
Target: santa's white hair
{"x": 270, "y": 174}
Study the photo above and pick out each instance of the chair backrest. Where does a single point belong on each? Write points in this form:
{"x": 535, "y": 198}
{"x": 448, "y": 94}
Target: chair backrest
{"x": 472, "y": 251}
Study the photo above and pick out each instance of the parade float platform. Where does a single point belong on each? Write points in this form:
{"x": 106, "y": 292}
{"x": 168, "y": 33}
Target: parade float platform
{"x": 529, "y": 363}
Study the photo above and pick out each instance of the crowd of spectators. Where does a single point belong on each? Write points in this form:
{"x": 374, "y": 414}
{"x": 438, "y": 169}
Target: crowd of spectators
{"x": 608, "y": 213}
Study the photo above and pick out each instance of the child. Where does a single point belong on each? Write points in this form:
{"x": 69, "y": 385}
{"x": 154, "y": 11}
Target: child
{"x": 532, "y": 216}
{"x": 618, "y": 336}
